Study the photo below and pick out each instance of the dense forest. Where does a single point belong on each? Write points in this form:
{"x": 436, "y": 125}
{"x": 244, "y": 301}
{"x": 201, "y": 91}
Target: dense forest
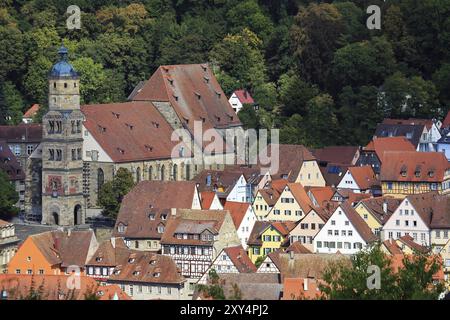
{"x": 315, "y": 69}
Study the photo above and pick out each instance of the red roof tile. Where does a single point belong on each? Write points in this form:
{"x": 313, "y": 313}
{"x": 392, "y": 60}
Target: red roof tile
{"x": 31, "y": 112}
{"x": 381, "y": 145}
{"x": 364, "y": 177}
{"x": 244, "y": 96}
{"x": 237, "y": 211}
{"x": 240, "y": 259}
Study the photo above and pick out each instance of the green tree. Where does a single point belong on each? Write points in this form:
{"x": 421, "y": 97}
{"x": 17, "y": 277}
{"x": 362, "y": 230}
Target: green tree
{"x": 259, "y": 261}
{"x": 92, "y": 79}
{"x": 441, "y": 79}
{"x": 249, "y": 117}
{"x": 409, "y": 97}
{"x": 315, "y": 36}
{"x": 348, "y": 280}
{"x": 112, "y": 192}
{"x": 214, "y": 289}
{"x": 11, "y": 52}
{"x": 13, "y": 102}
{"x": 319, "y": 132}
{"x": 8, "y": 197}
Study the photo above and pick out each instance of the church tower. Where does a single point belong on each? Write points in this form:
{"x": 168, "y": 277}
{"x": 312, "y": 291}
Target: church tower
{"x": 62, "y": 146}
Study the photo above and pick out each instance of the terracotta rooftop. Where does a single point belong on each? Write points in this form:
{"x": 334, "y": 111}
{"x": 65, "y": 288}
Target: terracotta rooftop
{"x": 194, "y": 93}
{"x": 147, "y": 267}
{"x": 364, "y": 177}
{"x": 414, "y": 166}
{"x": 193, "y": 223}
{"x": 253, "y": 286}
{"x": 434, "y": 209}
{"x": 298, "y": 248}
{"x": 212, "y": 180}
{"x": 60, "y": 247}
{"x": 291, "y": 158}
{"x": 382, "y": 145}
{"x": 300, "y": 288}
{"x": 131, "y": 131}
{"x": 428, "y": 123}
{"x": 376, "y": 208}
{"x": 244, "y": 96}
{"x": 32, "y": 111}
{"x": 110, "y": 253}
{"x": 300, "y": 195}
{"x": 54, "y": 287}
{"x": 333, "y": 173}
{"x": 148, "y": 205}
{"x": 342, "y": 155}
{"x": 240, "y": 259}
{"x": 207, "y": 198}
{"x": 237, "y": 211}
{"x": 320, "y": 195}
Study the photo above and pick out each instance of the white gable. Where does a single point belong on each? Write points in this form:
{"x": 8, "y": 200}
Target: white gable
{"x": 348, "y": 182}
{"x": 92, "y": 151}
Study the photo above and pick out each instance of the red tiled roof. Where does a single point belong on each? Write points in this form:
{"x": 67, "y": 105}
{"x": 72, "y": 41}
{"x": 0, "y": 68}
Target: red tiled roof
{"x": 300, "y": 196}
{"x": 156, "y": 197}
{"x": 298, "y": 248}
{"x": 24, "y": 132}
{"x": 343, "y": 155}
{"x": 237, "y": 211}
{"x": 194, "y": 93}
{"x": 364, "y": 177}
{"x": 54, "y": 287}
{"x": 131, "y": 131}
{"x": 207, "y": 198}
{"x": 414, "y": 166}
{"x": 31, "y": 112}
{"x": 240, "y": 259}
{"x": 381, "y": 145}
{"x": 300, "y": 288}
{"x": 412, "y": 121}
{"x": 375, "y": 207}
{"x": 321, "y": 194}
{"x": 244, "y": 96}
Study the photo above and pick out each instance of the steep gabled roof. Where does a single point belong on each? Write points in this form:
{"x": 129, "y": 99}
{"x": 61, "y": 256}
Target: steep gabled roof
{"x": 193, "y": 92}
{"x": 207, "y": 198}
{"x": 291, "y": 158}
{"x": 409, "y": 241}
{"x": 240, "y": 259}
{"x": 375, "y": 207}
{"x": 412, "y": 166}
{"x": 147, "y": 267}
{"x": 381, "y": 145}
{"x": 364, "y": 177}
{"x": 433, "y": 208}
{"x": 321, "y": 195}
{"x": 244, "y": 96}
{"x": 210, "y": 180}
{"x": 156, "y": 198}
{"x": 358, "y": 223}
{"x": 298, "y": 248}
{"x": 131, "y": 131}
{"x": 32, "y": 111}
{"x": 237, "y": 211}
{"x": 109, "y": 254}
{"x": 300, "y": 195}
{"x": 31, "y": 132}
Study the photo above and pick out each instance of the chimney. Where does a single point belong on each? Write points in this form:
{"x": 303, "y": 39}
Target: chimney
{"x": 173, "y": 211}
{"x": 385, "y": 206}
{"x": 113, "y": 242}
{"x": 305, "y": 284}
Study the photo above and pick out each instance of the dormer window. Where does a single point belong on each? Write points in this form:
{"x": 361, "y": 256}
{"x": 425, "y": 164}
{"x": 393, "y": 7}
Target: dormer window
{"x": 164, "y": 217}
{"x": 417, "y": 173}
{"x": 403, "y": 173}
{"x": 156, "y": 274}
{"x": 431, "y": 173}
{"x": 131, "y": 260}
{"x": 161, "y": 229}
{"x": 151, "y": 216}
{"x": 116, "y": 272}
{"x": 136, "y": 273}
{"x": 98, "y": 259}
{"x": 121, "y": 228}
{"x": 198, "y": 95}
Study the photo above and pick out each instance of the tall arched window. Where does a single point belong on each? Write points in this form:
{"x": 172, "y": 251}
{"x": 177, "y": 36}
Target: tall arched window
{"x": 175, "y": 172}
{"x": 100, "y": 179}
{"x": 150, "y": 173}
{"x": 162, "y": 172}
{"x": 138, "y": 174}
{"x": 188, "y": 172}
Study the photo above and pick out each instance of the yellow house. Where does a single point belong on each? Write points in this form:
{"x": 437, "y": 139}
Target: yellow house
{"x": 267, "y": 237}
{"x": 294, "y": 163}
{"x": 266, "y": 198}
{"x": 410, "y": 172}
{"x": 445, "y": 254}
{"x": 310, "y": 174}
{"x": 376, "y": 211}
{"x": 292, "y": 205}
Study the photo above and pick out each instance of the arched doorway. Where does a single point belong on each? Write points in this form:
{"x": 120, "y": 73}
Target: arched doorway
{"x": 55, "y": 217}
{"x": 77, "y": 215}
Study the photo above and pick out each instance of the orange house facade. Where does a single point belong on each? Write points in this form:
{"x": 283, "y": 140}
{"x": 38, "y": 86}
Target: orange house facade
{"x": 54, "y": 253}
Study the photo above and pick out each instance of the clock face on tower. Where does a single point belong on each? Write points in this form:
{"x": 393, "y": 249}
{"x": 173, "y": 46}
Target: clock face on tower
{"x": 54, "y": 185}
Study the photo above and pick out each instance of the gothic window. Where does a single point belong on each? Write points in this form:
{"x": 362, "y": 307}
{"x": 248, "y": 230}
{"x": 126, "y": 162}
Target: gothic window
{"x": 74, "y": 157}
{"x": 188, "y": 172}
{"x": 51, "y": 128}
{"x": 58, "y": 155}
{"x": 65, "y": 85}
{"x": 162, "y": 172}
{"x": 138, "y": 175}
{"x": 58, "y": 127}
{"x": 78, "y": 126}
{"x": 73, "y": 126}
{"x": 79, "y": 154}
{"x": 100, "y": 179}
{"x": 51, "y": 154}
{"x": 54, "y": 85}
{"x": 175, "y": 172}
{"x": 150, "y": 173}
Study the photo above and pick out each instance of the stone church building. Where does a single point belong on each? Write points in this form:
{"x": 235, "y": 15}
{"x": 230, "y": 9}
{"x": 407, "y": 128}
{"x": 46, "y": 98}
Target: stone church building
{"x": 152, "y": 135}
